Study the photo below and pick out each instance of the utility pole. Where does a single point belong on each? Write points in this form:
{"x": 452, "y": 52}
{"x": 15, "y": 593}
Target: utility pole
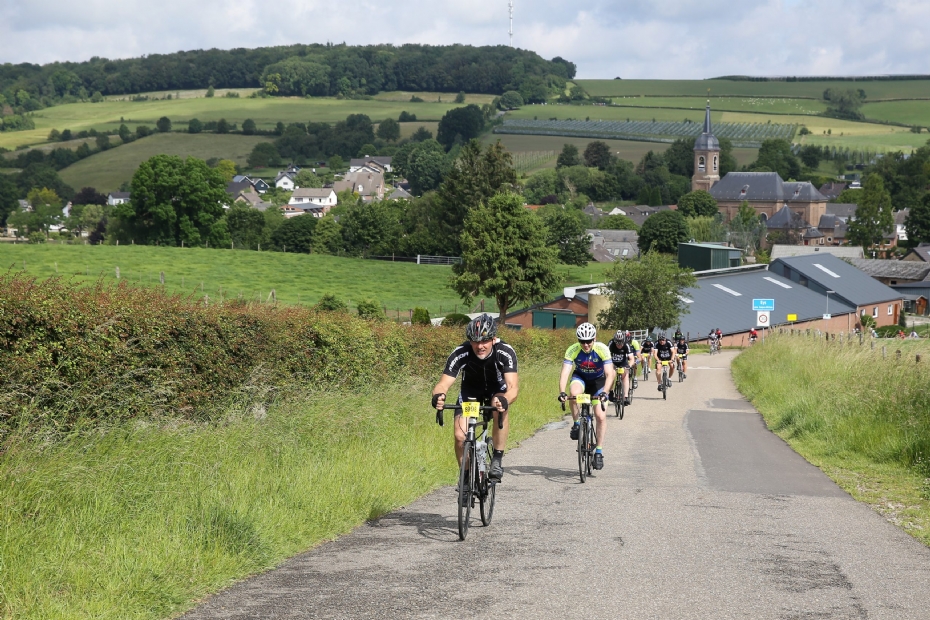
{"x": 511, "y": 23}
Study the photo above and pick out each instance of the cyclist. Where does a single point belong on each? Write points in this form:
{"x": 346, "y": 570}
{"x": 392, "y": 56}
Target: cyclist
{"x": 589, "y": 366}
{"x": 645, "y": 353}
{"x": 753, "y": 335}
{"x": 488, "y": 367}
{"x": 664, "y": 352}
{"x": 635, "y": 346}
{"x": 712, "y": 340}
{"x": 681, "y": 350}
{"x": 621, "y": 353}
{"x": 678, "y": 334}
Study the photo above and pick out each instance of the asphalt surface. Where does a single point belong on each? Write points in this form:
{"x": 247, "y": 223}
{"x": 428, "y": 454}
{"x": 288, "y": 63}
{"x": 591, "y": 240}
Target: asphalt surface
{"x": 699, "y": 512}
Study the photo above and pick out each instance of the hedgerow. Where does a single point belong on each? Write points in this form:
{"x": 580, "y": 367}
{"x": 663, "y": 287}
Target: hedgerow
{"x": 73, "y": 355}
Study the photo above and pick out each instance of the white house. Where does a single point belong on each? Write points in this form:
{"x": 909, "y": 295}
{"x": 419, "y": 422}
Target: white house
{"x": 117, "y": 198}
{"x": 285, "y": 180}
{"x": 317, "y": 196}
{"x": 381, "y": 164}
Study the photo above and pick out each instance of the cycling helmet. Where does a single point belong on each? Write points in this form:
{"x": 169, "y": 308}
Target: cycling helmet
{"x": 648, "y": 338}
{"x": 628, "y": 335}
{"x": 620, "y": 337}
{"x": 586, "y": 331}
{"x": 483, "y": 327}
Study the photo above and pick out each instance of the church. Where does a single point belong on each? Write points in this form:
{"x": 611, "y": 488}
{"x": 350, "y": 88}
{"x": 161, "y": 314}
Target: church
{"x": 766, "y": 192}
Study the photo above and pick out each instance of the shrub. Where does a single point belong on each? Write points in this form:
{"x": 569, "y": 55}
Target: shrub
{"x": 369, "y": 309}
{"x": 420, "y": 316}
{"x": 331, "y": 303}
{"x": 455, "y": 319}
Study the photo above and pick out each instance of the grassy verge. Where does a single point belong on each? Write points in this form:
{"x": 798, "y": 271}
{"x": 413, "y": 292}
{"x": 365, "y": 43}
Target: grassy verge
{"x": 141, "y": 520}
{"x": 860, "y": 417}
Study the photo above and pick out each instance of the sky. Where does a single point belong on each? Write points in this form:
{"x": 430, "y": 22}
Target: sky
{"x": 658, "y": 39}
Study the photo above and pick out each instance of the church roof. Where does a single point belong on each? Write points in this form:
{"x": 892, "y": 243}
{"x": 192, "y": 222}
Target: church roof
{"x": 707, "y": 141}
{"x": 766, "y": 186}
{"x": 786, "y": 218}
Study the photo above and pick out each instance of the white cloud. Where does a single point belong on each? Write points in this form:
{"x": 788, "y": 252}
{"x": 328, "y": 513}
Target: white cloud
{"x": 605, "y": 38}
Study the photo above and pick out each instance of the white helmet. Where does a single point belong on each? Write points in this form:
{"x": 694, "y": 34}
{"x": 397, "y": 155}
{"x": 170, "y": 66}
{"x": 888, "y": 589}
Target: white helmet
{"x": 586, "y": 331}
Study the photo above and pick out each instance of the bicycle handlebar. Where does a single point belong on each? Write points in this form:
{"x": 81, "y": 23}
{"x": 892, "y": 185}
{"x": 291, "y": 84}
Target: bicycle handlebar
{"x": 440, "y": 421}
{"x": 601, "y": 397}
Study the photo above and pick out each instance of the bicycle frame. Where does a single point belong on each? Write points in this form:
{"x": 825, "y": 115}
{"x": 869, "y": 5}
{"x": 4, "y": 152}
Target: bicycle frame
{"x": 587, "y": 434}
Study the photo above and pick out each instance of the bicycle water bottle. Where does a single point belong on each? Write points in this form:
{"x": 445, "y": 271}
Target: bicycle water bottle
{"x": 482, "y": 450}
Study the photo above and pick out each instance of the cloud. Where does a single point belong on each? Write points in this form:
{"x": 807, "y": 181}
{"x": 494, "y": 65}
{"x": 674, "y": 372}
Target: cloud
{"x": 605, "y": 38}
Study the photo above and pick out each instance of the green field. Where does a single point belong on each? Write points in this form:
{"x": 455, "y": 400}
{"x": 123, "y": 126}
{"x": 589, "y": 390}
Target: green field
{"x": 907, "y": 112}
{"x": 296, "y": 278}
{"x": 624, "y": 149}
{"x": 107, "y": 170}
{"x": 761, "y": 105}
{"x": 875, "y": 89}
{"x": 108, "y": 115}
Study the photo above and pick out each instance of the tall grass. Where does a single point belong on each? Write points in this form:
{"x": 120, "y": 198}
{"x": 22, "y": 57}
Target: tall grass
{"x": 861, "y": 416}
{"x": 139, "y": 520}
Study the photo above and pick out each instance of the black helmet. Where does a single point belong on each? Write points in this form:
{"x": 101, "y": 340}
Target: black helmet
{"x": 483, "y": 327}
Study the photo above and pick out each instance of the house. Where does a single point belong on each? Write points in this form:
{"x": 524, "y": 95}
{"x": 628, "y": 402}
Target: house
{"x": 117, "y": 198}
{"x": 609, "y": 245}
{"x": 840, "y": 281}
{"x": 254, "y": 200}
{"x": 832, "y": 189}
{"x": 640, "y": 213}
{"x": 845, "y": 252}
{"x": 313, "y": 200}
{"x": 786, "y": 226}
{"x": 234, "y": 188}
{"x": 285, "y": 180}
{"x": 368, "y": 185}
{"x": 259, "y": 184}
{"x": 400, "y": 193}
{"x": 920, "y": 253}
{"x": 567, "y": 311}
{"x": 374, "y": 164}
{"x": 892, "y": 272}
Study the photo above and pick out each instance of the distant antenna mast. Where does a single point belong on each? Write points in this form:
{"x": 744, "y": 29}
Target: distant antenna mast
{"x": 511, "y": 23}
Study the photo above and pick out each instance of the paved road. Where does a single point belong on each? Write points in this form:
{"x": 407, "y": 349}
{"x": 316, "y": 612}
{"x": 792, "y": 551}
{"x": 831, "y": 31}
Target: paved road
{"x": 700, "y": 512}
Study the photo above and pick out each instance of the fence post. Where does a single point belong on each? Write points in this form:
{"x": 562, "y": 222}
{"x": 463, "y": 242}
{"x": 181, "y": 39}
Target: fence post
{"x": 117, "y": 272}
{"x": 162, "y": 278}
{"x": 883, "y": 352}
{"x": 418, "y": 259}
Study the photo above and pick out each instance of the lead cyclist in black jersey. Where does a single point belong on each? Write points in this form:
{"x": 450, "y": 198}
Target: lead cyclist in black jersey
{"x": 489, "y": 375}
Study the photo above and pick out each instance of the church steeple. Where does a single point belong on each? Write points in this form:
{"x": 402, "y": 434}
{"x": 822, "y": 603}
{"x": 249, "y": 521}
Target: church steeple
{"x": 706, "y": 157}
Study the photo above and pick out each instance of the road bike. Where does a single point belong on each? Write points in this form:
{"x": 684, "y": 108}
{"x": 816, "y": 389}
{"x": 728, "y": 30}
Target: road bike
{"x": 617, "y": 393}
{"x": 587, "y": 434}
{"x": 665, "y": 381}
{"x": 646, "y": 360}
{"x": 679, "y": 371}
{"x": 477, "y": 450}
{"x": 714, "y": 346}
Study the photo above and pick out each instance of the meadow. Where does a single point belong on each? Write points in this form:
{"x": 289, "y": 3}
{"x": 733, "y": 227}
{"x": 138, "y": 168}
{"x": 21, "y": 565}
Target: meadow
{"x": 227, "y": 274}
{"x": 266, "y": 112}
{"x": 859, "y": 415}
{"x": 876, "y": 90}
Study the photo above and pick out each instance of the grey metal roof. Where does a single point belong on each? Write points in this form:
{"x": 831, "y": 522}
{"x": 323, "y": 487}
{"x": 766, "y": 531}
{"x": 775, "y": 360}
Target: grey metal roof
{"x": 767, "y": 186}
{"x": 707, "y": 141}
{"x": 826, "y": 272}
{"x": 911, "y": 270}
{"x": 725, "y": 301}
{"x": 781, "y": 250}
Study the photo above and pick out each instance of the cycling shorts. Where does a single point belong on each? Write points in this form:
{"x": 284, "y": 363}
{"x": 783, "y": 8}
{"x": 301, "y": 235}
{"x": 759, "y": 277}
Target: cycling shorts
{"x": 592, "y": 387}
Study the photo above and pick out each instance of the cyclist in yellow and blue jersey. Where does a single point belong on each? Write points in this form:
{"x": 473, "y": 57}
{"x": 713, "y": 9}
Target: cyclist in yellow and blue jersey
{"x": 589, "y": 367}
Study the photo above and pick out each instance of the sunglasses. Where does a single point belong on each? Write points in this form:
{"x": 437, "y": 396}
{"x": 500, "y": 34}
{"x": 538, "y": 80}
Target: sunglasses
{"x": 586, "y": 341}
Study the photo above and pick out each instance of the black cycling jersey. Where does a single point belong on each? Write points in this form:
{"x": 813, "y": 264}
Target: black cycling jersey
{"x": 647, "y": 347}
{"x": 620, "y": 354}
{"x": 664, "y": 351}
{"x": 682, "y": 348}
{"x": 482, "y": 378}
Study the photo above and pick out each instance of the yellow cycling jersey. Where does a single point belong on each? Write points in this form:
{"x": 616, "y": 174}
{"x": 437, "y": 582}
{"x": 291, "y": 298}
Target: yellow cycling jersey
{"x": 588, "y": 365}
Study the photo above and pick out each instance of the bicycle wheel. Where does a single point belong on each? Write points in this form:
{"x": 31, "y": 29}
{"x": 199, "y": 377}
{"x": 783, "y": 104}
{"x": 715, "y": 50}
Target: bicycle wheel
{"x": 466, "y": 488}
{"x": 592, "y": 443}
{"x": 618, "y": 398}
{"x": 681, "y": 376}
{"x": 664, "y": 383}
{"x": 488, "y": 490}
{"x": 582, "y": 447}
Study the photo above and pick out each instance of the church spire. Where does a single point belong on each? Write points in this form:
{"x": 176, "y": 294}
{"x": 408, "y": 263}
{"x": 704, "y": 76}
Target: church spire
{"x": 707, "y": 119}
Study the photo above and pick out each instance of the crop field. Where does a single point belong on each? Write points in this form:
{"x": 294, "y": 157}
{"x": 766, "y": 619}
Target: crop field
{"x": 762, "y": 105}
{"x": 907, "y": 112}
{"x": 107, "y": 170}
{"x": 742, "y": 134}
{"x": 108, "y": 115}
{"x": 404, "y": 96}
{"x": 624, "y": 149}
{"x": 408, "y": 129}
{"x": 875, "y": 90}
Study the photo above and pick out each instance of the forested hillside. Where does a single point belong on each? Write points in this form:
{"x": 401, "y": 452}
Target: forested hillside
{"x": 314, "y": 69}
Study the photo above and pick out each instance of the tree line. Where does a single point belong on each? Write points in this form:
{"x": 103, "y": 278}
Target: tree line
{"x": 315, "y": 69}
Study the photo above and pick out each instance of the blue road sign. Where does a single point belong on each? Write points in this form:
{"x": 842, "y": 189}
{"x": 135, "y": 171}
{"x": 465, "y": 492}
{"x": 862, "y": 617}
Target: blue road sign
{"x": 763, "y": 305}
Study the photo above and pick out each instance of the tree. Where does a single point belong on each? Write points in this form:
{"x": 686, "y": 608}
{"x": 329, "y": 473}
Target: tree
{"x": 475, "y": 177}
{"x": 42, "y": 175}
{"x": 125, "y": 135}
{"x": 222, "y": 126}
{"x": 389, "y": 130}
{"x": 460, "y": 125}
{"x": 874, "y": 218}
{"x": 175, "y": 201}
{"x": 8, "y": 198}
{"x": 370, "y": 229}
{"x": 307, "y": 178}
{"x": 227, "y": 168}
{"x": 775, "y": 156}
{"x": 103, "y": 141}
{"x": 248, "y": 127}
{"x": 460, "y": 98}
{"x": 844, "y": 103}
{"x": 263, "y": 155}
{"x": 707, "y": 229}
{"x": 697, "y": 203}
{"x": 917, "y": 222}
{"x": 46, "y": 210}
{"x": 425, "y": 167}
{"x": 246, "y": 226}
{"x": 327, "y": 237}
{"x": 406, "y": 117}
{"x": 420, "y": 316}
{"x": 421, "y": 135}
{"x": 568, "y": 157}
{"x": 747, "y": 228}
{"x": 331, "y": 303}
{"x": 662, "y": 232}
{"x": 597, "y": 155}
{"x": 210, "y": 91}
{"x": 541, "y": 185}
{"x": 617, "y": 222}
{"x": 163, "y": 124}
{"x": 646, "y": 293}
{"x": 505, "y": 255}
{"x": 295, "y": 234}
{"x": 194, "y": 126}
{"x": 510, "y": 100}
{"x": 369, "y": 309}
{"x": 810, "y": 155}
{"x": 89, "y": 196}
{"x": 336, "y": 163}
{"x": 567, "y": 232}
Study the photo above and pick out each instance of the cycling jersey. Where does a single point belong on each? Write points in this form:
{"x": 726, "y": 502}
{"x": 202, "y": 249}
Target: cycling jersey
{"x": 682, "y": 348}
{"x": 634, "y": 344}
{"x": 588, "y": 365}
{"x": 648, "y": 346}
{"x": 482, "y": 378}
{"x": 664, "y": 351}
{"x": 620, "y": 354}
